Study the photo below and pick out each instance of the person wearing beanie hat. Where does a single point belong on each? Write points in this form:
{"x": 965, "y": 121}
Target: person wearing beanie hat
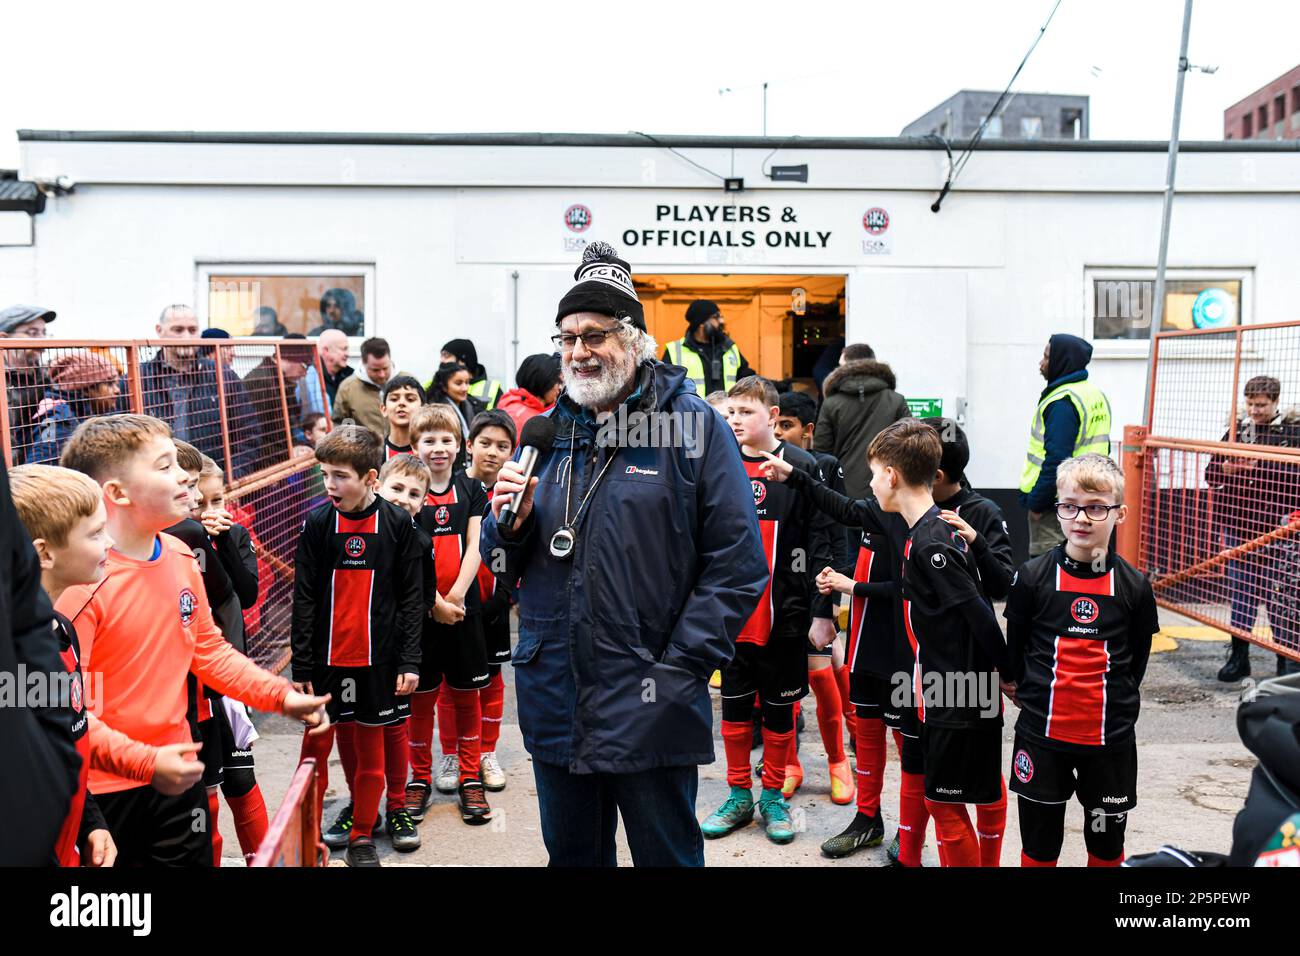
{"x": 82, "y": 384}
{"x": 711, "y": 359}
{"x": 638, "y": 561}
{"x": 486, "y": 392}
{"x": 538, "y": 385}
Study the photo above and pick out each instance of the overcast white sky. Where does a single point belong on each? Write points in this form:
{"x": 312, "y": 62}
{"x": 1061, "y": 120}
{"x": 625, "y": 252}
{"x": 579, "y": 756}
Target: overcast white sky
{"x": 834, "y": 68}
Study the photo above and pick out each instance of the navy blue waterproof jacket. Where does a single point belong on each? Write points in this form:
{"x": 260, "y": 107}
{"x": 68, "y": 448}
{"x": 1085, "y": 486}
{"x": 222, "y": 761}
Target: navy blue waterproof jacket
{"x": 616, "y": 644}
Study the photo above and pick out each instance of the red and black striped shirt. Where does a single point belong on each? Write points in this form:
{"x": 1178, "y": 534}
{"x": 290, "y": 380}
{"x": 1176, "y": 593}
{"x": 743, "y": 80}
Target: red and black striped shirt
{"x": 1079, "y": 638}
{"x": 358, "y": 590}
{"x": 445, "y": 518}
{"x": 796, "y": 545}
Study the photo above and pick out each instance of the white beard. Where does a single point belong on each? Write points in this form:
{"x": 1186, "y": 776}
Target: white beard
{"x": 603, "y": 391}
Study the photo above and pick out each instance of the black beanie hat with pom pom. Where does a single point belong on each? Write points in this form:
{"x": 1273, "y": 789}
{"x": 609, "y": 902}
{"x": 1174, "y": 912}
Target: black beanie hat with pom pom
{"x": 604, "y": 286}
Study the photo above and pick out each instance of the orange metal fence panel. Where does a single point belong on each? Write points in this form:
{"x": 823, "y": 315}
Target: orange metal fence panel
{"x": 236, "y": 400}
{"x": 1216, "y": 496}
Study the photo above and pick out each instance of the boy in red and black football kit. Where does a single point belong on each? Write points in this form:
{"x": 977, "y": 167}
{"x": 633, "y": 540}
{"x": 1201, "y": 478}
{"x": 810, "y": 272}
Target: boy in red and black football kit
{"x": 400, "y": 400}
{"x": 1079, "y": 626}
{"x": 954, "y": 642}
{"x": 491, "y": 443}
{"x": 959, "y": 650}
{"x": 981, "y": 525}
{"x": 455, "y": 655}
{"x": 357, "y": 608}
{"x": 877, "y": 651}
{"x": 828, "y": 672}
{"x": 771, "y": 657}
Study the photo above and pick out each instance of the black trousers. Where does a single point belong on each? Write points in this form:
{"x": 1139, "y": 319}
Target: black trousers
{"x": 154, "y": 830}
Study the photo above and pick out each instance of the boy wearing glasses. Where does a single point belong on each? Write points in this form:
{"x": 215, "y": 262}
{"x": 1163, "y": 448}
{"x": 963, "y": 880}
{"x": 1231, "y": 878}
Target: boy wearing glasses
{"x": 1079, "y": 626}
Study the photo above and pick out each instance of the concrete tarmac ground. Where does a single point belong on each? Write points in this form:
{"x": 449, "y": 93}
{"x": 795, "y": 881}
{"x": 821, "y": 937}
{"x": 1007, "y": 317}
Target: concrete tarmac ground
{"x": 1193, "y": 774}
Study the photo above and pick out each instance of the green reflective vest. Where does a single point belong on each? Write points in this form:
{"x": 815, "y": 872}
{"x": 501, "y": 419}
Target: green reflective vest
{"x": 681, "y": 354}
{"x": 1093, "y": 408}
{"x": 486, "y": 390}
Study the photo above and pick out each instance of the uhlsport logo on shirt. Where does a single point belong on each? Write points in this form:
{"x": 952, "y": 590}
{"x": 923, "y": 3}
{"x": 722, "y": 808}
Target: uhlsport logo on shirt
{"x": 939, "y": 561}
{"x": 1084, "y": 610}
{"x": 186, "y": 603}
{"x": 1024, "y": 766}
{"x": 355, "y": 546}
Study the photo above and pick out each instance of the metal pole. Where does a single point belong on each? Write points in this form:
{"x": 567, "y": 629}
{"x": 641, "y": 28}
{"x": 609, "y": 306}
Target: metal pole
{"x": 1158, "y": 307}
{"x": 764, "y": 108}
{"x": 514, "y": 322}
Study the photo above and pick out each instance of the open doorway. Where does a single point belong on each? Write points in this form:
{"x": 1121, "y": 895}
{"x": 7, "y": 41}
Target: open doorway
{"x": 782, "y": 323}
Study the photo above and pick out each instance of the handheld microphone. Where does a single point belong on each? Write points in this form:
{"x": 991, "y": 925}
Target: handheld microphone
{"x": 536, "y": 439}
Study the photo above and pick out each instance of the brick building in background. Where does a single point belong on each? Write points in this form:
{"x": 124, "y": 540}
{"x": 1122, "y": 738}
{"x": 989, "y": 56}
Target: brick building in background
{"x": 1271, "y": 112}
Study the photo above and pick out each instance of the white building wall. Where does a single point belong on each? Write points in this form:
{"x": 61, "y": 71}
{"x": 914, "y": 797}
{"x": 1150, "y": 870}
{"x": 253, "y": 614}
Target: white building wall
{"x": 960, "y": 305}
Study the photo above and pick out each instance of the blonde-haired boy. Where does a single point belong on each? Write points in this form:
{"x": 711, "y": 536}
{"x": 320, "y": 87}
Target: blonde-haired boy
{"x": 1079, "y": 626}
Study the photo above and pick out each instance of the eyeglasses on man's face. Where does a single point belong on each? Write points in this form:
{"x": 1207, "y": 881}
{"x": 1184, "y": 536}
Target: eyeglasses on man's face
{"x": 592, "y": 339}
{"x": 1068, "y": 511}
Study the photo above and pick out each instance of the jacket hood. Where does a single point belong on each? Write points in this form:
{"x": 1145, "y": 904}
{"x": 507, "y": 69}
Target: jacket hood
{"x": 863, "y": 376}
{"x": 1289, "y": 416}
{"x": 1270, "y": 728}
{"x": 361, "y": 373}
{"x": 1066, "y": 354}
{"x": 520, "y": 396}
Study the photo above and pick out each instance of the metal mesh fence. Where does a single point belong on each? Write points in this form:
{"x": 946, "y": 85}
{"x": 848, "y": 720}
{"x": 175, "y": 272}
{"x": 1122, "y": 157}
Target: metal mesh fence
{"x": 49, "y": 390}
{"x": 1218, "y": 504}
{"x": 237, "y": 401}
{"x": 273, "y": 510}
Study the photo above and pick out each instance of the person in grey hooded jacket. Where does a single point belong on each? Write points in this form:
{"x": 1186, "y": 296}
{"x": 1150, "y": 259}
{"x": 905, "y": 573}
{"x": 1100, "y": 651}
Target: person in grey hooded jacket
{"x": 858, "y": 400}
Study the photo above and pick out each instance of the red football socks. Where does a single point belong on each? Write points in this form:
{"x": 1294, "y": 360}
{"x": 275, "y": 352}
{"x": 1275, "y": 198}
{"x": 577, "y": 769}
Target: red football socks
{"x": 830, "y": 713}
{"x": 345, "y": 738}
{"x": 492, "y": 698}
{"x": 251, "y": 821}
{"x": 958, "y": 845}
{"x": 736, "y": 738}
{"x": 778, "y": 749}
{"x": 1028, "y": 861}
{"x": 850, "y": 713}
{"x": 913, "y": 815}
{"x": 420, "y": 735}
{"x": 870, "y": 743}
{"x": 990, "y": 824}
{"x": 468, "y": 724}
{"x": 446, "y": 721}
{"x": 397, "y": 754}
{"x": 369, "y": 783}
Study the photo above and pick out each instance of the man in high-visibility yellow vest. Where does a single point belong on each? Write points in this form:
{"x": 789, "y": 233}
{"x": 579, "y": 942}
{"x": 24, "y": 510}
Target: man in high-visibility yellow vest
{"x": 486, "y": 390}
{"x": 1072, "y": 418}
{"x": 712, "y": 361}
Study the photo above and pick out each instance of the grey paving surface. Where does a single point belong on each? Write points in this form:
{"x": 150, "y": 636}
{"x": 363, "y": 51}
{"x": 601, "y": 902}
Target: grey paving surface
{"x": 1193, "y": 776}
